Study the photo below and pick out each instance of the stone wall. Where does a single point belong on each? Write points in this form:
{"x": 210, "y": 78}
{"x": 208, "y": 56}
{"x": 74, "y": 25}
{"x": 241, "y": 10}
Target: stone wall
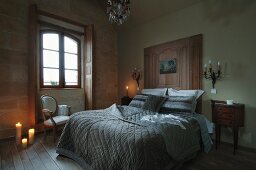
{"x": 14, "y": 58}
{"x": 13, "y": 64}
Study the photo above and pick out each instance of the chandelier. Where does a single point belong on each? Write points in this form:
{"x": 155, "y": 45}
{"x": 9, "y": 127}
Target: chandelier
{"x": 118, "y": 10}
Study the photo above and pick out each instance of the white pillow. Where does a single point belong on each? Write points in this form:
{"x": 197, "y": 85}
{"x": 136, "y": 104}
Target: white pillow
{"x": 63, "y": 110}
{"x": 173, "y": 92}
{"x": 156, "y": 92}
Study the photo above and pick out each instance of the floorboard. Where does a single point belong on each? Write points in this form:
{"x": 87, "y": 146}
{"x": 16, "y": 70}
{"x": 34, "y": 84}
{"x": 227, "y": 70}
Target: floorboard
{"x": 25, "y": 159}
{"x": 16, "y": 157}
{"x": 0, "y": 160}
{"x": 62, "y": 162}
{"x": 45, "y": 157}
{"x": 42, "y": 155}
{"x": 223, "y": 159}
{"x": 34, "y": 158}
{"x": 7, "y": 161}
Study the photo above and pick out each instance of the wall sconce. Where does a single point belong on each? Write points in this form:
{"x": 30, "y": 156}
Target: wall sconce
{"x": 136, "y": 76}
{"x": 210, "y": 74}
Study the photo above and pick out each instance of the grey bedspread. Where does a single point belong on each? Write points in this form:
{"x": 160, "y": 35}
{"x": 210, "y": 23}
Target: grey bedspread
{"x": 116, "y": 138}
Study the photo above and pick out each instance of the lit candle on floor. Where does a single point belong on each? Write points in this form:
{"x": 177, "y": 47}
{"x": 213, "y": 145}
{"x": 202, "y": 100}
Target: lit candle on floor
{"x": 24, "y": 143}
{"x": 31, "y": 136}
{"x": 18, "y": 132}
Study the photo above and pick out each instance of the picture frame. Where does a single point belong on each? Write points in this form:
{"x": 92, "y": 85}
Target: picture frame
{"x": 168, "y": 66}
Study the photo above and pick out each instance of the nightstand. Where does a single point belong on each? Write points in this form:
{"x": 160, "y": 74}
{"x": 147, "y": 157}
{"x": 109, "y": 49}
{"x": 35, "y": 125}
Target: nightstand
{"x": 126, "y": 100}
{"x": 227, "y": 115}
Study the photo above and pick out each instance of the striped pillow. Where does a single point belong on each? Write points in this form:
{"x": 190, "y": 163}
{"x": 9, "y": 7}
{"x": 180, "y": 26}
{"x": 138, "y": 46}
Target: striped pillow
{"x": 153, "y": 103}
{"x": 139, "y": 100}
{"x": 179, "y": 104}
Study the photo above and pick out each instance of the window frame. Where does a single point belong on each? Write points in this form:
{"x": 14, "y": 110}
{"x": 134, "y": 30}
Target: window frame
{"x": 61, "y": 85}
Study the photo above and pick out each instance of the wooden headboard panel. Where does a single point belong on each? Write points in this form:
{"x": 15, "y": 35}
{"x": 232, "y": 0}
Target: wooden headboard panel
{"x": 187, "y": 53}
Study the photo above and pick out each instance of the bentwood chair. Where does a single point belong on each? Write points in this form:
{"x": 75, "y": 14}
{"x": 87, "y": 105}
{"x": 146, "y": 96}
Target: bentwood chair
{"x": 54, "y": 115}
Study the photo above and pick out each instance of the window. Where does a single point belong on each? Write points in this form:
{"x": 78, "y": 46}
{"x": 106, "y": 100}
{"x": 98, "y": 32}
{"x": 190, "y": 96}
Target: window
{"x": 60, "y": 60}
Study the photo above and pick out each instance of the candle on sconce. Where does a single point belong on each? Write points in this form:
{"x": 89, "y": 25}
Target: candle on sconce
{"x": 31, "y": 135}
{"x": 24, "y": 143}
{"x": 210, "y": 64}
{"x": 127, "y": 90}
{"x": 205, "y": 67}
{"x": 18, "y": 132}
{"x": 212, "y": 74}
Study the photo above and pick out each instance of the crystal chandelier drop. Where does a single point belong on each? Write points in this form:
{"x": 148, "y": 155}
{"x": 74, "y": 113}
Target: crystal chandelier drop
{"x": 118, "y": 10}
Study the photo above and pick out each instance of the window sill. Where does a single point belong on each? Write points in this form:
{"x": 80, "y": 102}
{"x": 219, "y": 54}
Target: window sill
{"x": 68, "y": 88}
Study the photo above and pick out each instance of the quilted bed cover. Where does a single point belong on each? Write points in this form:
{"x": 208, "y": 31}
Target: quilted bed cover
{"x": 118, "y": 138}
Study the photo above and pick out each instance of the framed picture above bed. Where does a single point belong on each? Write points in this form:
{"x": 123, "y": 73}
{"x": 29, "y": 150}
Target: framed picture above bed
{"x": 168, "y": 66}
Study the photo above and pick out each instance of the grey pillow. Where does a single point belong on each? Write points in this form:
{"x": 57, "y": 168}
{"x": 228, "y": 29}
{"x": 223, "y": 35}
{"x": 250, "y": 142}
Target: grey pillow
{"x": 197, "y": 93}
{"x": 139, "y": 100}
{"x": 156, "y": 91}
{"x": 179, "y": 104}
{"x": 153, "y": 103}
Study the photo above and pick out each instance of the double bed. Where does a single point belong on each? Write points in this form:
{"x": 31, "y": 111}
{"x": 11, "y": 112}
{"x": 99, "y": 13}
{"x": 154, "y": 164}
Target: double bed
{"x": 160, "y": 128}
{"x": 131, "y": 137}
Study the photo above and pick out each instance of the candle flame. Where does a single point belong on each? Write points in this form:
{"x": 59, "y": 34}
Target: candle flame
{"x": 24, "y": 140}
{"x": 18, "y": 124}
{"x": 127, "y": 87}
{"x": 31, "y": 130}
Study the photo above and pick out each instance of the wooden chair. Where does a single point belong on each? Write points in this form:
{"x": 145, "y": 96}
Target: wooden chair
{"x": 54, "y": 115}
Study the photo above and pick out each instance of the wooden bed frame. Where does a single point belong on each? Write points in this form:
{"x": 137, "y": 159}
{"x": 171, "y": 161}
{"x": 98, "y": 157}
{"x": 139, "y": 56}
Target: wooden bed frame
{"x": 188, "y": 55}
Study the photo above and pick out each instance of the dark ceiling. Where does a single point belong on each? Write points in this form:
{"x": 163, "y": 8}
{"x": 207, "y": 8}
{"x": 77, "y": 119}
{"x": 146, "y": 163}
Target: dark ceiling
{"x": 145, "y": 10}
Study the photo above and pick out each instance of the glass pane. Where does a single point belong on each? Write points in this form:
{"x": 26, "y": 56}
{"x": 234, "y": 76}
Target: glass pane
{"x": 51, "y": 41}
{"x": 71, "y": 61}
{"x": 70, "y": 45}
{"x": 71, "y": 77}
{"x": 51, "y": 76}
{"x": 50, "y": 59}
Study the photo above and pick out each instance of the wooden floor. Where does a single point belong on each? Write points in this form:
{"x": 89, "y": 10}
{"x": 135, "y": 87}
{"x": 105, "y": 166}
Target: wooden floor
{"x": 223, "y": 159}
{"x": 41, "y": 155}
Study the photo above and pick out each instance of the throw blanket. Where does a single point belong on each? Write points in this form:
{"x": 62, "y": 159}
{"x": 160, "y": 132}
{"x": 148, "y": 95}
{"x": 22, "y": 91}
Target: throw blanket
{"x": 117, "y": 138}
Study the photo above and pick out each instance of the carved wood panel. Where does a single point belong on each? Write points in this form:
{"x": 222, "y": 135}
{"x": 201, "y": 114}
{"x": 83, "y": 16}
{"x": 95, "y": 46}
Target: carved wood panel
{"x": 188, "y": 54}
